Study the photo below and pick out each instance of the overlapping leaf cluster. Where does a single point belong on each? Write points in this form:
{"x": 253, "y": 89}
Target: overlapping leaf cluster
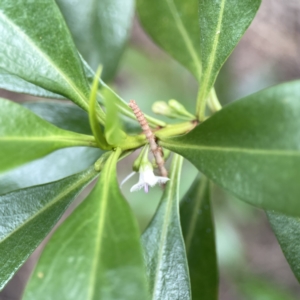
{"x": 251, "y": 148}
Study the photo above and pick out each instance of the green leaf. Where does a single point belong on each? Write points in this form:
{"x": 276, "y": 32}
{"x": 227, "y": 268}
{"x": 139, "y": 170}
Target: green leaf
{"x": 198, "y": 232}
{"x": 25, "y": 137}
{"x": 55, "y": 166}
{"x": 174, "y": 26}
{"x": 121, "y": 103}
{"x": 16, "y": 84}
{"x": 96, "y": 251}
{"x": 222, "y": 24}
{"x": 61, "y": 163}
{"x": 93, "y": 105}
{"x": 164, "y": 246}
{"x": 287, "y": 231}
{"x": 113, "y": 127}
{"x": 37, "y": 47}
{"x": 100, "y": 30}
{"x": 251, "y": 148}
{"x": 62, "y": 114}
{"x": 28, "y": 215}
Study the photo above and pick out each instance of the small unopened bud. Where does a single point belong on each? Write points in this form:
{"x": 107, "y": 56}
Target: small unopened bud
{"x": 180, "y": 109}
{"x": 161, "y": 108}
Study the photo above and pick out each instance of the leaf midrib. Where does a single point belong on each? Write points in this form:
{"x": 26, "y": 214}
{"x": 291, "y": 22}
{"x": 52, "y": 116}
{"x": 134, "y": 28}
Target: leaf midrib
{"x": 169, "y": 205}
{"x": 233, "y": 149}
{"x": 47, "y": 139}
{"x": 184, "y": 33}
{"x": 50, "y": 204}
{"x": 46, "y": 58}
{"x": 212, "y": 56}
{"x": 100, "y": 227}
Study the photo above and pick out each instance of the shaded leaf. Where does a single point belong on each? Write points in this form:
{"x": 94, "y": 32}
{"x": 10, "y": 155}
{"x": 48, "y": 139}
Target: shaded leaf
{"x": 287, "y": 231}
{"x": 62, "y": 114}
{"x": 222, "y": 24}
{"x": 16, "y": 84}
{"x": 96, "y": 251}
{"x": 100, "y": 29}
{"x": 174, "y": 26}
{"x": 198, "y": 232}
{"x": 37, "y": 47}
{"x": 28, "y": 215}
{"x": 251, "y": 148}
{"x": 164, "y": 246}
{"x": 21, "y": 131}
{"x": 55, "y": 166}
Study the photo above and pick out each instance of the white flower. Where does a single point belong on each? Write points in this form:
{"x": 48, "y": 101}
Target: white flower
{"x": 147, "y": 178}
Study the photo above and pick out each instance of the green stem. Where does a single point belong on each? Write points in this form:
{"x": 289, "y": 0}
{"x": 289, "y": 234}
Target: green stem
{"x": 83, "y": 140}
{"x": 176, "y": 129}
{"x": 200, "y": 106}
{"x": 133, "y": 142}
{"x": 202, "y": 101}
{"x": 213, "y": 101}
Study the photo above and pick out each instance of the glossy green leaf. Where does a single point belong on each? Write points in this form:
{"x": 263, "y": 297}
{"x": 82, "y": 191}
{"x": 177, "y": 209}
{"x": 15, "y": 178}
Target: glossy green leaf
{"x": 198, "y": 232}
{"x": 287, "y": 231}
{"x": 222, "y": 24}
{"x": 93, "y": 105}
{"x": 37, "y": 47}
{"x": 16, "y": 84}
{"x": 165, "y": 255}
{"x": 100, "y": 29}
{"x": 62, "y": 114}
{"x": 113, "y": 126}
{"x": 28, "y": 215}
{"x": 55, "y": 166}
{"x": 252, "y": 148}
{"x": 174, "y": 26}
{"x": 25, "y": 137}
{"x": 61, "y": 163}
{"x": 96, "y": 251}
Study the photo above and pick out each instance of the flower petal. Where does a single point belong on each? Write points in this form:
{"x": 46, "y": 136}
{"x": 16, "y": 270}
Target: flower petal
{"x": 149, "y": 177}
{"x": 162, "y": 179}
{"x": 137, "y": 187}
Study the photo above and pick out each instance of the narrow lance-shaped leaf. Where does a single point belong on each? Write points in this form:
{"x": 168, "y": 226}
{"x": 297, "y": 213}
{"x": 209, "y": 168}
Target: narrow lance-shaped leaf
{"x": 222, "y": 24}
{"x": 61, "y": 163}
{"x": 287, "y": 231}
{"x": 96, "y": 251}
{"x": 94, "y": 123}
{"x": 198, "y": 232}
{"x": 37, "y": 47}
{"x": 100, "y": 29}
{"x": 113, "y": 127}
{"x": 25, "y": 137}
{"x": 28, "y": 215}
{"x": 165, "y": 255}
{"x": 174, "y": 26}
{"x": 251, "y": 148}
{"x": 119, "y": 102}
